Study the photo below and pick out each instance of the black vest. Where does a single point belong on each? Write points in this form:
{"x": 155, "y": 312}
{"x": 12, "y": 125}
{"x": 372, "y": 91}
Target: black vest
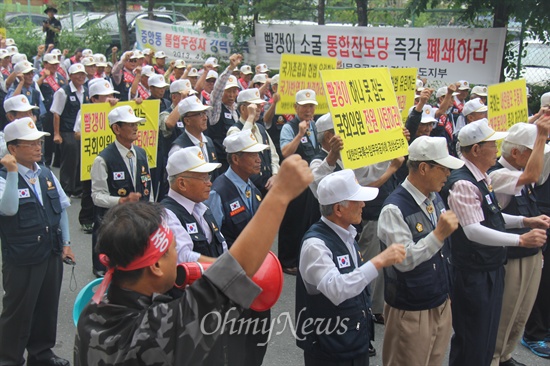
{"x": 184, "y": 141}
{"x": 348, "y": 323}
{"x": 122, "y": 186}
{"x": 236, "y": 215}
{"x": 428, "y": 285}
{"x": 218, "y": 132}
{"x": 33, "y": 234}
{"x": 543, "y": 197}
{"x": 466, "y": 254}
{"x": 261, "y": 179}
{"x": 523, "y": 205}
{"x": 72, "y": 106}
{"x": 306, "y": 149}
{"x": 200, "y": 244}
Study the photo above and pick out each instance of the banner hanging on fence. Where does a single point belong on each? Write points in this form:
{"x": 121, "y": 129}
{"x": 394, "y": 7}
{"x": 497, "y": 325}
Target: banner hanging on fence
{"x": 443, "y": 55}
{"x": 507, "y": 104}
{"x": 365, "y": 115}
{"x": 97, "y": 134}
{"x": 186, "y": 42}
{"x": 298, "y": 72}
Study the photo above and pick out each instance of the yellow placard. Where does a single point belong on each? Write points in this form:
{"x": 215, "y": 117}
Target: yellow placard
{"x": 97, "y": 134}
{"x": 298, "y": 72}
{"x": 365, "y": 115}
{"x": 404, "y": 86}
{"x": 507, "y": 104}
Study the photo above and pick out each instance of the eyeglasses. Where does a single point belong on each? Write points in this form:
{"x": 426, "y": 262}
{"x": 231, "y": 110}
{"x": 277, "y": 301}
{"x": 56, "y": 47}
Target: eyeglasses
{"x": 132, "y": 60}
{"x": 202, "y": 114}
{"x": 205, "y": 179}
{"x": 440, "y": 167}
{"x": 37, "y": 143}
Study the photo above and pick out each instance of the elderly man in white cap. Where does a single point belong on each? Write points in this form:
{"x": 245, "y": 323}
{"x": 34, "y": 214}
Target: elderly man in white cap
{"x": 474, "y": 109}
{"x": 25, "y": 85}
{"x": 245, "y": 76}
{"x": 249, "y": 106}
{"x": 463, "y": 89}
{"x": 524, "y": 153}
{"x": 35, "y": 238}
{"x": 544, "y": 108}
{"x": 333, "y": 278}
{"x": 234, "y": 200}
{"x": 223, "y": 114}
{"x": 120, "y": 173}
{"x": 444, "y": 126}
{"x": 480, "y": 252}
{"x": 169, "y": 119}
{"x": 160, "y": 62}
{"x": 414, "y": 214}
{"x": 140, "y": 85}
{"x": 479, "y": 91}
{"x": 122, "y": 73}
{"x": 176, "y": 71}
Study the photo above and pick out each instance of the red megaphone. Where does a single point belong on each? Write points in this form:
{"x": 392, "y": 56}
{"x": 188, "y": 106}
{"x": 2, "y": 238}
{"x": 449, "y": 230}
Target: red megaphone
{"x": 269, "y": 277}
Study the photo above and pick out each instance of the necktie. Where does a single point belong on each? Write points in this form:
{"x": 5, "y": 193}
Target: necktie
{"x": 130, "y": 156}
{"x": 248, "y": 194}
{"x": 202, "y": 223}
{"x": 431, "y": 212}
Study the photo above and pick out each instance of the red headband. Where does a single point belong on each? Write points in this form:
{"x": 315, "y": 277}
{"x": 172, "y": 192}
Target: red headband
{"x": 158, "y": 244}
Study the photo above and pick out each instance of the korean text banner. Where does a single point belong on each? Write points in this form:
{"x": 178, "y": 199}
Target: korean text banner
{"x": 298, "y": 72}
{"x": 186, "y": 42}
{"x": 365, "y": 115}
{"x": 507, "y": 104}
{"x": 443, "y": 55}
{"x": 404, "y": 86}
{"x": 97, "y": 134}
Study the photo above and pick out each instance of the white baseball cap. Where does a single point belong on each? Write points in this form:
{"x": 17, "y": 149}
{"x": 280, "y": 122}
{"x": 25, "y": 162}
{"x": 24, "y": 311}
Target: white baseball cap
{"x": 23, "y": 67}
{"x": 76, "y": 68}
{"x": 324, "y": 123}
{"x": 18, "y": 57}
{"x": 125, "y": 114}
{"x": 160, "y": 54}
{"x": 148, "y": 71}
{"x": 87, "y": 52}
{"x": 138, "y": 54}
{"x": 4, "y": 53}
{"x": 100, "y": 60}
{"x": 419, "y": 85}
{"x": 88, "y": 61}
{"x": 259, "y": 78}
{"x": 306, "y": 96}
{"x": 231, "y": 82}
{"x": 212, "y": 61}
{"x": 10, "y": 42}
{"x": 479, "y": 90}
{"x": 193, "y": 72}
{"x": 51, "y": 58}
{"x": 56, "y": 51}
{"x": 12, "y": 50}
{"x": 146, "y": 51}
{"x": 179, "y": 64}
{"x": 157, "y": 81}
{"x": 441, "y": 92}
{"x": 242, "y": 141}
{"x": 212, "y": 75}
{"x": 427, "y": 114}
{"x": 250, "y": 96}
{"x": 464, "y": 85}
{"x": 191, "y": 104}
{"x": 262, "y": 68}
{"x": 426, "y": 148}
{"x": 275, "y": 79}
{"x": 246, "y": 69}
{"x": 101, "y": 88}
{"x": 342, "y": 186}
{"x": 182, "y": 85}
{"x": 18, "y": 103}
{"x": 524, "y": 134}
{"x": 22, "y": 129}
{"x": 545, "y": 100}
{"x": 478, "y": 131}
{"x": 189, "y": 159}
{"x": 474, "y": 105}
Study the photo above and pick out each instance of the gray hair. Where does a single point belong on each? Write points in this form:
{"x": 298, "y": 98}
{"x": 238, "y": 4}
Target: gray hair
{"x": 328, "y": 210}
{"x": 507, "y": 147}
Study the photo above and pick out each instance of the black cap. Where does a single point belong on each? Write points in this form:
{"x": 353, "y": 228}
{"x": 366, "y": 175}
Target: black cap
{"x": 50, "y": 8}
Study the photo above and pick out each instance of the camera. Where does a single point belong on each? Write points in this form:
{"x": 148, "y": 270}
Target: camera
{"x": 68, "y": 260}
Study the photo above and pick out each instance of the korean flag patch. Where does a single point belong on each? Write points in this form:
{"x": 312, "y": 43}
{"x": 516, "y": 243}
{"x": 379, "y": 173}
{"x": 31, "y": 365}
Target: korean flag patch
{"x": 343, "y": 261}
{"x": 118, "y": 176}
{"x": 192, "y": 228}
{"x": 180, "y": 124}
{"x": 234, "y": 205}
{"x": 24, "y": 193}
{"x": 303, "y": 140}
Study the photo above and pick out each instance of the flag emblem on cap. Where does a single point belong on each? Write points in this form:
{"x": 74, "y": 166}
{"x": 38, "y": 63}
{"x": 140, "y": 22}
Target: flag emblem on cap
{"x": 343, "y": 261}
{"x": 130, "y": 110}
{"x": 200, "y": 155}
{"x": 192, "y": 228}
{"x": 427, "y": 110}
{"x": 31, "y": 125}
{"x": 197, "y": 101}
{"x": 107, "y": 85}
{"x": 257, "y": 94}
{"x": 308, "y": 95}
{"x": 24, "y": 100}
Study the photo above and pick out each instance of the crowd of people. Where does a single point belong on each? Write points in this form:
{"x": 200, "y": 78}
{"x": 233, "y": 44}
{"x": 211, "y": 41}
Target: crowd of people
{"x": 444, "y": 246}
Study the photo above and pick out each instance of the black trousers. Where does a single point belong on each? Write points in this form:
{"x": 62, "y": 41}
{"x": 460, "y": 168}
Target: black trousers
{"x": 49, "y": 146}
{"x": 86, "y": 214}
{"x": 476, "y": 305}
{"x": 29, "y": 312}
{"x": 301, "y": 213}
{"x": 314, "y": 360}
{"x": 538, "y": 323}
{"x": 69, "y": 173}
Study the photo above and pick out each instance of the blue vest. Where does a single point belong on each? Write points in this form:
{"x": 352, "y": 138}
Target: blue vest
{"x": 72, "y": 106}
{"x": 200, "y": 244}
{"x": 33, "y": 234}
{"x": 305, "y": 149}
{"x": 524, "y": 205}
{"x": 218, "y": 132}
{"x": 123, "y": 187}
{"x": 261, "y": 179}
{"x": 184, "y": 141}
{"x": 428, "y": 285}
{"x": 469, "y": 255}
{"x": 346, "y": 326}
{"x": 236, "y": 215}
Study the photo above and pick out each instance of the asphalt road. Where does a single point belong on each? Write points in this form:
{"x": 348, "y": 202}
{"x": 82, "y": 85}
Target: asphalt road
{"x": 282, "y": 349}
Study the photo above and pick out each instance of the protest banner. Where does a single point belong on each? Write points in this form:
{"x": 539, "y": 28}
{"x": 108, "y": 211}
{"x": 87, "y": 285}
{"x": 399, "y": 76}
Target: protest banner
{"x": 97, "y": 134}
{"x": 365, "y": 115}
{"x": 186, "y": 42}
{"x": 443, "y": 55}
{"x": 507, "y": 103}
{"x": 404, "y": 86}
{"x": 302, "y": 72}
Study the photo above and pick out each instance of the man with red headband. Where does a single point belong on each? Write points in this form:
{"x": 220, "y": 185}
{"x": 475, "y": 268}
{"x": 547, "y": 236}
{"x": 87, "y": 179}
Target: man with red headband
{"x": 135, "y": 323}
